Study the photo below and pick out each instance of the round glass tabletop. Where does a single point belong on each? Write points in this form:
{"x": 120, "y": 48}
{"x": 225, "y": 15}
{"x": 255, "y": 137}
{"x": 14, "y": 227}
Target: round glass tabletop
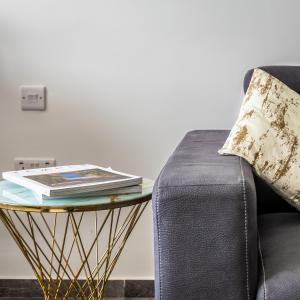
{"x": 16, "y": 197}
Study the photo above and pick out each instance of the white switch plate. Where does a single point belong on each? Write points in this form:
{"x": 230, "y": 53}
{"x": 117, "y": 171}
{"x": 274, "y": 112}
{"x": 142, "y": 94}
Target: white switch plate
{"x": 24, "y": 163}
{"x": 33, "y": 97}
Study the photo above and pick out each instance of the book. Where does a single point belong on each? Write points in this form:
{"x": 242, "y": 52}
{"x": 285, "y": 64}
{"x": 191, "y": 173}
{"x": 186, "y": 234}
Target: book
{"x": 65, "y": 181}
{"x": 117, "y": 191}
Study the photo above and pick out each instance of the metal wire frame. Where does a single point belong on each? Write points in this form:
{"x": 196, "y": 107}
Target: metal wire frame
{"x": 63, "y": 263}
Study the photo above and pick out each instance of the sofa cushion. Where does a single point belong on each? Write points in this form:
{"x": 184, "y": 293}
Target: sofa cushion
{"x": 266, "y": 134}
{"x": 279, "y": 256}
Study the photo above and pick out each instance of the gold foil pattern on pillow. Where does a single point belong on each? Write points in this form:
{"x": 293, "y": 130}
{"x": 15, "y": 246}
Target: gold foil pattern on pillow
{"x": 267, "y": 134}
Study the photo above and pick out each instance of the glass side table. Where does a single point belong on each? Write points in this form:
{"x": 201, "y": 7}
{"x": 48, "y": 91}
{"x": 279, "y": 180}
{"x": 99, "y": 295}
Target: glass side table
{"x": 72, "y": 244}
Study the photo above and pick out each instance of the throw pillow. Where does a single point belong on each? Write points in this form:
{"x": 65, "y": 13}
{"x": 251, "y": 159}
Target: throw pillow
{"x": 267, "y": 134}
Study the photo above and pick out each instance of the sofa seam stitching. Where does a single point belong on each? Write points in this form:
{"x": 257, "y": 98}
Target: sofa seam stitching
{"x": 245, "y": 229}
{"x": 263, "y": 268}
{"x": 158, "y": 233}
{"x": 199, "y": 185}
{"x": 158, "y": 240}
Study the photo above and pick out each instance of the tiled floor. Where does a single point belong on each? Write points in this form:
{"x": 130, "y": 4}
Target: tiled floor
{"x": 28, "y": 289}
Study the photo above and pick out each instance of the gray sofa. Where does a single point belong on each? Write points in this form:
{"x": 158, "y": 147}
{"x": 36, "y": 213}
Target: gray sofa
{"x": 220, "y": 232}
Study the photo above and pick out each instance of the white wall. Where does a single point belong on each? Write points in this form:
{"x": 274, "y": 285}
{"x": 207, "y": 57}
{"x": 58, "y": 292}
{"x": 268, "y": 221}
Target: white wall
{"x": 126, "y": 79}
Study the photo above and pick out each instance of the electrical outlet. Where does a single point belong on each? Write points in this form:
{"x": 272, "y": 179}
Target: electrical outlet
{"x": 24, "y": 163}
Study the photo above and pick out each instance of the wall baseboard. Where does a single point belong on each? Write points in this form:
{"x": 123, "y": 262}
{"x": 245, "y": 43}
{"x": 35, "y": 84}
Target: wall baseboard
{"x": 29, "y": 288}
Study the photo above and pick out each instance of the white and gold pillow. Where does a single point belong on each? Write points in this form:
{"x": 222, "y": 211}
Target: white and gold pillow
{"x": 267, "y": 134}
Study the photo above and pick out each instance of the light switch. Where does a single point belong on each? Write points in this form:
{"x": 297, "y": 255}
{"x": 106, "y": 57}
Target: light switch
{"x": 33, "y": 97}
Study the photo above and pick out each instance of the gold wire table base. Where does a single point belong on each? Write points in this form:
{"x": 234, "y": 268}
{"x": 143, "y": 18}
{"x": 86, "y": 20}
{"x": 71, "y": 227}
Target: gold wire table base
{"x": 69, "y": 258}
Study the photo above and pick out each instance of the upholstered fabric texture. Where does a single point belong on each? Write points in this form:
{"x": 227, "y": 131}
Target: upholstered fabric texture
{"x": 205, "y": 223}
{"x": 279, "y": 263}
{"x": 267, "y": 134}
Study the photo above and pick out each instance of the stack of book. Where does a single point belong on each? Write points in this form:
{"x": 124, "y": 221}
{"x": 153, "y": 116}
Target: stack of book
{"x": 75, "y": 181}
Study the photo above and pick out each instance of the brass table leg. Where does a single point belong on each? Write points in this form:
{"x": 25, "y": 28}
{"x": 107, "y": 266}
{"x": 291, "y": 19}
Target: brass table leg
{"x": 70, "y": 261}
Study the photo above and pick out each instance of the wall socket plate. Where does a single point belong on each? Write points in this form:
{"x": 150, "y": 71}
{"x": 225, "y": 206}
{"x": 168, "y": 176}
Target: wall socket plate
{"x": 33, "y": 97}
{"x": 24, "y": 163}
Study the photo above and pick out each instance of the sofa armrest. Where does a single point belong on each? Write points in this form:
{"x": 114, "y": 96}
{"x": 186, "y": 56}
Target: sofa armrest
{"x": 205, "y": 226}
